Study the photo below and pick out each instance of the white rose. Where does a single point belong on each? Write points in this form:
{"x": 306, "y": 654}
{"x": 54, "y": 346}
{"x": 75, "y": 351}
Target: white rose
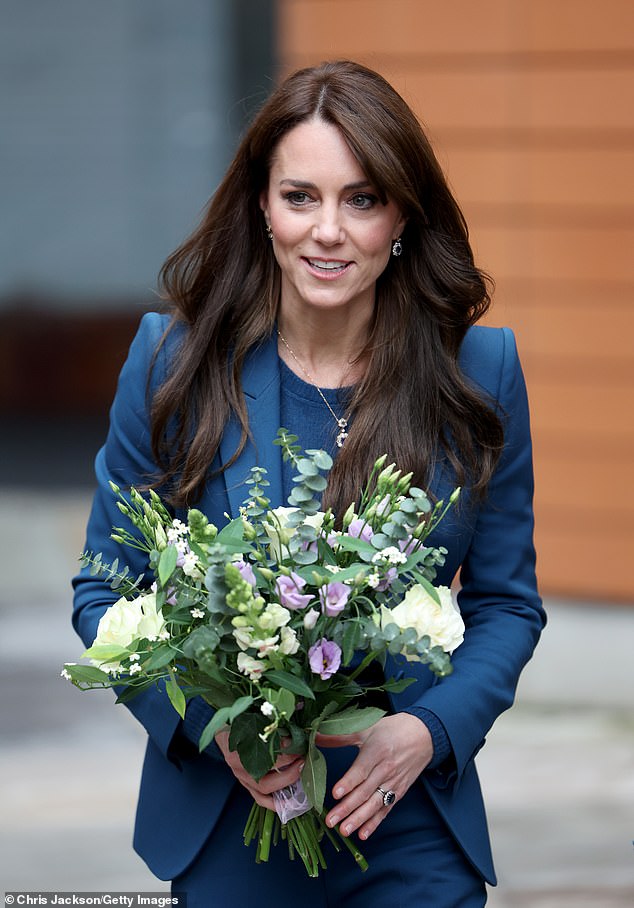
{"x": 442, "y": 623}
{"x": 280, "y": 533}
{"x": 127, "y": 620}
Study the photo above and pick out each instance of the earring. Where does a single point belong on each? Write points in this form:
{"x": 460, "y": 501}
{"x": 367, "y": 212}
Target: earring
{"x": 269, "y": 231}
{"x": 397, "y": 247}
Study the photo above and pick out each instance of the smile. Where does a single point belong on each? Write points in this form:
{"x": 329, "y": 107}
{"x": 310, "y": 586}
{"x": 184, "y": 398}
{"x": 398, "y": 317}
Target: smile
{"x": 331, "y": 266}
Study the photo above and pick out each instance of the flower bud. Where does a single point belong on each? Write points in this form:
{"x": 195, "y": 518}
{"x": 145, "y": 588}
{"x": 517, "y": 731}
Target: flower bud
{"x": 403, "y": 483}
{"x": 455, "y": 495}
{"x": 349, "y": 516}
{"x": 267, "y": 573}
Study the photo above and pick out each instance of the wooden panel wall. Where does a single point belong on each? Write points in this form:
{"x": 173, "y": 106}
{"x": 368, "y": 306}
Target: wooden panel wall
{"x": 529, "y": 104}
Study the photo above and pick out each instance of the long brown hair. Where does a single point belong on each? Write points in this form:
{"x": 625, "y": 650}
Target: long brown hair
{"x": 223, "y": 282}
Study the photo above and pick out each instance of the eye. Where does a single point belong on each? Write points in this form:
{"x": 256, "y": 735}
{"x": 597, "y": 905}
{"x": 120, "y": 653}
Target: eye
{"x": 363, "y": 201}
{"x": 297, "y": 197}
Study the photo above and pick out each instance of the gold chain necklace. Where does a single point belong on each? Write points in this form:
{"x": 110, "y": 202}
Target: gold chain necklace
{"x": 342, "y": 422}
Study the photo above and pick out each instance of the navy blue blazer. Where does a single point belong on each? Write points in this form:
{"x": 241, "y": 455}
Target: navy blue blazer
{"x": 490, "y": 543}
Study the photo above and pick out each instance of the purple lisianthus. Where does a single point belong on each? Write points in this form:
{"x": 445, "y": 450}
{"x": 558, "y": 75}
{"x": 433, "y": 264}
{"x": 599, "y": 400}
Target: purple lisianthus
{"x": 333, "y": 598}
{"x": 289, "y": 591}
{"x": 387, "y": 579}
{"x": 246, "y": 571}
{"x": 324, "y": 658}
{"x": 360, "y": 529}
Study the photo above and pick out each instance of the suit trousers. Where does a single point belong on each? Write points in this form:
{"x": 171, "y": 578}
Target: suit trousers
{"x": 414, "y": 862}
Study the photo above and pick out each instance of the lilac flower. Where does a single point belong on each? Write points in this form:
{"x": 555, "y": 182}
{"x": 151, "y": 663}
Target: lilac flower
{"x": 360, "y": 529}
{"x": 246, "y": 571}
{"x": 288, "y": 589}
{"x": 324, "y": 658}
{"x": 333, "y": 598}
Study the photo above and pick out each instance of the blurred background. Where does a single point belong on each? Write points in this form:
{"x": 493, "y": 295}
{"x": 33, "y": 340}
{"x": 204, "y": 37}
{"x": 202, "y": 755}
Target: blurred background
{"x": 117, "y": 122}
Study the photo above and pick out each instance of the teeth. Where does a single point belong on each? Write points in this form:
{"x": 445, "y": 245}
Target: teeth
{"x": 328, "y": 266}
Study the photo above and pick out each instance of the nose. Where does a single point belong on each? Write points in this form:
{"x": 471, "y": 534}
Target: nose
{"x": 327, "y": 228}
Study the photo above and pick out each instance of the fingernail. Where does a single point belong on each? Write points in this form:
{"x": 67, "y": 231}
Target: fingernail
{"x": 333, "y": 820}
{"x": 347, "y": 829}
{"x": 339, "y": 792}
{"x": 301, "y": 767}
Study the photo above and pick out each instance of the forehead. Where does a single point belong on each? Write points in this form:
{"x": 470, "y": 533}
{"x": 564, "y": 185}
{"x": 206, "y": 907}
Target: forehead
{"x": 318, "y": 149}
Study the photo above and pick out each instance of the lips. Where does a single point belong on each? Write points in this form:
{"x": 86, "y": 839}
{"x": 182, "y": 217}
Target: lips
{"x": 330, "y": 267}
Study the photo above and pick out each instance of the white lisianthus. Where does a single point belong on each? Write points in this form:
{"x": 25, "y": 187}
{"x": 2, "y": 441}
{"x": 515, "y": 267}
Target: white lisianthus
{"x": 274, "y": 616}
{"x": 126, "y": 621}
{"x": 253, "y": 668}
{"x": 310, "y": 618}
{"x": 442, "y": 623}
{"x": 289, "y": 644}
{"x": 280, "y": 533}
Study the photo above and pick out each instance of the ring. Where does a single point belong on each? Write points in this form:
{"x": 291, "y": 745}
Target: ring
{"x": 388, "y": 797}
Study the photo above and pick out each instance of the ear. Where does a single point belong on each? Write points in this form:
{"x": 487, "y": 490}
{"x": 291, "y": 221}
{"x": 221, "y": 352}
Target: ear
{"x": 399, "y": 227}
{"x": 264, "y": 204}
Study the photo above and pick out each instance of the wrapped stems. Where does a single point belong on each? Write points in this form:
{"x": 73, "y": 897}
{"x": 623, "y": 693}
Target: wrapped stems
{"x": 303, "y": 835}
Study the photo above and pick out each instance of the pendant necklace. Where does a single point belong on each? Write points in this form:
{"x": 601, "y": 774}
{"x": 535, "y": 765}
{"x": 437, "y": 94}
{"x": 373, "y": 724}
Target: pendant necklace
{"x": 342, "y": 422}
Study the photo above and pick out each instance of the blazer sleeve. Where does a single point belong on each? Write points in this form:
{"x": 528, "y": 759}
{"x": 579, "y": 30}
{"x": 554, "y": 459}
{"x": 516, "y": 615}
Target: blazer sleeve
{"x": 498, "y": 598}
{"x": 126, "y": 459}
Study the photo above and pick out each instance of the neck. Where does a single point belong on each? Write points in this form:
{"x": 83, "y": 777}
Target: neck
{"x": 327, "y": 350}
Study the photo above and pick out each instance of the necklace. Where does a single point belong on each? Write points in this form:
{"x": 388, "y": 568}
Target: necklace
{"x": 342, "y": 422}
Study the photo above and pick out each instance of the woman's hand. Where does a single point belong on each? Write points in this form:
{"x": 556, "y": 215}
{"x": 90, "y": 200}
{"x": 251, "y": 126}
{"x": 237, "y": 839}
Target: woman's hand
{"x": 286, "y": 771}
{"x": 392, "y": 755}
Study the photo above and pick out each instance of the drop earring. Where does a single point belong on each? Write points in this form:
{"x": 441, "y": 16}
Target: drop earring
{"x": 269, "y": 231}
{"x": 397, "y": 247}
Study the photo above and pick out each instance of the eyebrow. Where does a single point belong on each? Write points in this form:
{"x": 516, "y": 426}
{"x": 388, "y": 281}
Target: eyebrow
{"x": 304, "y": 184}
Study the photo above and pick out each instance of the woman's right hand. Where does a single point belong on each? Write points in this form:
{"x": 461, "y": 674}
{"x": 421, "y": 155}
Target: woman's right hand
{"x": 286, "y": 771}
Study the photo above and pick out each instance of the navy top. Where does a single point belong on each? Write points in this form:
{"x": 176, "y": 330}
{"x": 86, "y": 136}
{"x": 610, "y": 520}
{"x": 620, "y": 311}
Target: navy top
{"x": 304, "y": 413}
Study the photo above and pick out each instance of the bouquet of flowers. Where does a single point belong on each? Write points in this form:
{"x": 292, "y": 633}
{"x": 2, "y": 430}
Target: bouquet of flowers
{"x": 273, "y": 618}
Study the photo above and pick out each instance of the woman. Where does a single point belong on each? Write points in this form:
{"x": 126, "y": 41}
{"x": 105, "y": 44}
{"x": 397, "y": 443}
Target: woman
{"x": 331, "y": 289}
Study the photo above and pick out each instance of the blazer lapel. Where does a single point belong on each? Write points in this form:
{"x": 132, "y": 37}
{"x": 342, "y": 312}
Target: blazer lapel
{"x": 261, "y": 385}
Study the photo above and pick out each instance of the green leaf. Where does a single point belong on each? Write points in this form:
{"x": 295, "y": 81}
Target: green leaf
{"x": 244, "y": 737}
{"x": 290, "y": 682}
{"x": 88, "y": 674}
{"x": 176, "y": 696}
{"x": 314, "y": 777}
{"x": 397, "y": 687}
{"x": 167, "y": 563}
{"x": 106, "y": 652}
{"x": 211, "y": 729}
{"x": 240, "y": 706}
{"x": 350, "y": 721}
{"x": 161, "y": 657}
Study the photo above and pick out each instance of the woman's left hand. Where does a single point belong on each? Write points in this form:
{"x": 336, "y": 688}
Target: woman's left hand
{"x": 392, "y": 754}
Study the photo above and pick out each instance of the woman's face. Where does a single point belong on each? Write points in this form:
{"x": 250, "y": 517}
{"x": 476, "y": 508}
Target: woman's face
{"x": 332, "y": 236}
